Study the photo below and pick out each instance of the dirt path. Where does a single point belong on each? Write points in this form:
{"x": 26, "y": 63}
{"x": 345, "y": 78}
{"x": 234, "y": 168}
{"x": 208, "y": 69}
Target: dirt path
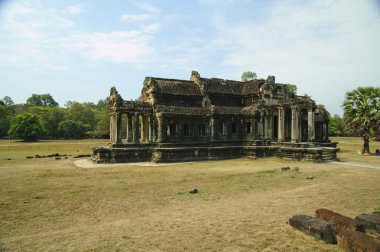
{"x": 86, "y": 163}
{"x": 357, "y": 165}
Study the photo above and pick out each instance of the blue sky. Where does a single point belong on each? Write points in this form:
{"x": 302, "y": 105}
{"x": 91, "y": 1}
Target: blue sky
{"x": 78, "y": 49}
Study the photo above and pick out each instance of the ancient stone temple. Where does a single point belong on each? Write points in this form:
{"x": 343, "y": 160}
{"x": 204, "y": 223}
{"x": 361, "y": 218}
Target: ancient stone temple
{"x": 201, "y": 119}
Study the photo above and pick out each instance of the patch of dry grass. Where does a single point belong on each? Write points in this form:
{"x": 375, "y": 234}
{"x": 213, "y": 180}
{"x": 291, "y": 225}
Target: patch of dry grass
{"x": 242, "y": 204}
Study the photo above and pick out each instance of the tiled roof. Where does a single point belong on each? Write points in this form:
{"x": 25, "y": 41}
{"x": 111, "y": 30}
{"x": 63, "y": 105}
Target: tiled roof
{"x": 226, "y": 110}
{"x": 252, "y": 87}
{"x": 220, "y": 86}
{"x": 177, "y": 87}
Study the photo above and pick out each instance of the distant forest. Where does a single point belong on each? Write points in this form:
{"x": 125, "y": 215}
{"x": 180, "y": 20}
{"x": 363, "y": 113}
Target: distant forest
{"x": 42, "y": 118}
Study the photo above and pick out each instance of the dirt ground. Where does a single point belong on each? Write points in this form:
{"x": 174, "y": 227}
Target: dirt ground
{"x": 242, "y": 204}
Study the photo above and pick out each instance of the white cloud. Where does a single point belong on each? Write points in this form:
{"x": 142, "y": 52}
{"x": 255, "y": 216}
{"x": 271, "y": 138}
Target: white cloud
{"x": 33, "y": 35}
{"x": 152, "y": 28}
{"x": 152, "y": 9}
{"x": 135, "y": 17}
{"x": 325, "y": 47}
{"x": 111, "y": 46}
{"x": 74, "y": 9}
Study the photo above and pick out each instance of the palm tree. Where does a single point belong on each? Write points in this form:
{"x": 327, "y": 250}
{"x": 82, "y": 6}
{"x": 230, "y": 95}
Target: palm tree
{"x": 362, "y": 111}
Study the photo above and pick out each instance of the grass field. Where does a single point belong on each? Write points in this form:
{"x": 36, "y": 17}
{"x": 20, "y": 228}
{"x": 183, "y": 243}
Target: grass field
{"x": 242, "y": 204}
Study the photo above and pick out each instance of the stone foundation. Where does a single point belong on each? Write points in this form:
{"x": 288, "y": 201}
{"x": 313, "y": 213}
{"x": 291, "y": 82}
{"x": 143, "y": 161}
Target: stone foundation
{"x": 166, "y": 153}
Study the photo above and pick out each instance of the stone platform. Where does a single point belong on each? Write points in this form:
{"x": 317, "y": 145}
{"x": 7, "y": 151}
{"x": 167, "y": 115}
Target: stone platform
{"x": 123, "y": 153}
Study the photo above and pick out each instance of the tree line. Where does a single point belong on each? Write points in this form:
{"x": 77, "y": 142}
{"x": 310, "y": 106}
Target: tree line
{"x": 42, "y": 118}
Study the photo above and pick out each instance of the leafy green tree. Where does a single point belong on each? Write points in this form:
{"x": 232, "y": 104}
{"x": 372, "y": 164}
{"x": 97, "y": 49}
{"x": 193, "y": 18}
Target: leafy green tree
{"x": 51, "y": 122}
{"x": 26, "y": 126}
{"x": 81, "y": 113}
{"x": 41, "y": 100}
{"x": 249, "y": 75}
{"x": 102, "y": 104}
{"x": 7, "y": 101}
{"x": 292, "y": 88}
{"x": 72, "y": 129}
{"x": 49, "y": 118}
{"x": 4, "y": 121}
{"x": 362, "y": 111}
{"x": 102, "y": 129}
{"x": 337, "y": 126}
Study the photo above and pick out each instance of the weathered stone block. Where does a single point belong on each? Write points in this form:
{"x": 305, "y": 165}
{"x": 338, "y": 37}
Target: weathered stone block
{"x": 340, "y": 221}
{"x": 349, "y": 240}
{"x": 370, "y": 221}
{"x": 318, "y": 228}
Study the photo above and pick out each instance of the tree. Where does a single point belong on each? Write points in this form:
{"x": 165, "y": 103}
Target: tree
{"x": 292, "y": 88}
{"x": 7, "y": 101}
{"x": 249, "y": 75}
{"x": 41, "y": 100}
{"x": 72, "y": 129}
{"x": 102, "y": 129}
{"x": 102, "y": 104}
{"x": 81, "y": 113}
{"x": 362, "y": 111}
{"x": 4, "y": 121}
{"x": 49, "y": 118}
{"x": 26, "y": 126}
{"x": 337, "y": 126}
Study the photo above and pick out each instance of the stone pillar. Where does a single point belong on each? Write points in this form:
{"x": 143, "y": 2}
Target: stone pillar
{"x": 295, "y": 124}
{"x": 326, "y": 137}
{"x": 159, "y": 129}
{"x": 118, "y": 127}
{"x": 269, "y": 126}
{"x": 265, "y": 125}
{"x": 281, "y": 124}
{"x": 112, "y": 128}
{"x": 310, "y": 125}
{"x": 136, "y": 128}
{"x": 144, "y": 128}
{"x": 212, "y": 129}
{"x": 129, "y": 128}
{"x": 150, "y": 128}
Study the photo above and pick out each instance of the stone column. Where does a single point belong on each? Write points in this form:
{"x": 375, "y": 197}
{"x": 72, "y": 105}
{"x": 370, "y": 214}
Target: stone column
{"x": 212, "y": 128}
{"x": 118, "y": 127}
{"x": 129, "y": 128}
{"x": 281, "y": 124}
{"x": 310, "y": 125}
{"x": 146, "y": 128}
{"x": 326, "y": 137}
{"x": 265, "y": 125}
{"x": 295, "y": 124}
{"x": 143, "y": 128}
{"x": 112, "y": 128}
{"x": 269, "y": 125}
{"x": 136, "y": 128}
{"x": 150, "y": 128}
{"x": 159, "y": 129}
